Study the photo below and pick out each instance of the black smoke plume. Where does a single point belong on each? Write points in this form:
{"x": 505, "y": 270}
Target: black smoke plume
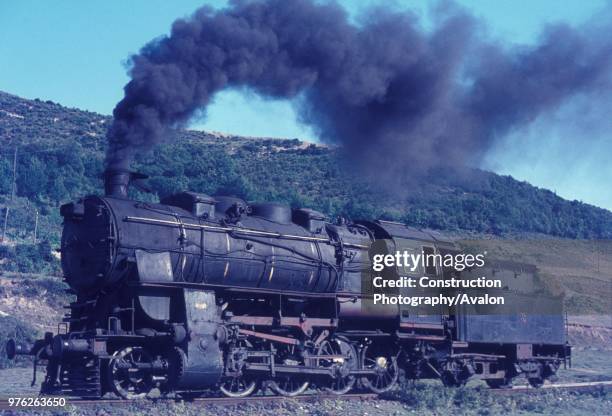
{"x": 391, "y": 93}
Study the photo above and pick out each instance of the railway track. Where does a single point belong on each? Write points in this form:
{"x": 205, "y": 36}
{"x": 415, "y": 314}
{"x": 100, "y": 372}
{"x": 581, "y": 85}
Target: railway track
{"x": 203, "y": 401}
{"x": 229, "y": 401}
{"x": 585, "y": 386}
{"x": 588, "y": 326}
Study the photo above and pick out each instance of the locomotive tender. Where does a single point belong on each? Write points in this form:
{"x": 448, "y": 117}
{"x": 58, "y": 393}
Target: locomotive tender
{"x": 198, "y": 293}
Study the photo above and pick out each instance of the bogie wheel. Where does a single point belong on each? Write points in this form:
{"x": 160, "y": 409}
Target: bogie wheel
{"x": 455, "y": 374}
{"x": 384, "y": 366}
{"x": 450, "y": 379}
{"x": 344, "y": 360}
{"x": 126, "y": 379}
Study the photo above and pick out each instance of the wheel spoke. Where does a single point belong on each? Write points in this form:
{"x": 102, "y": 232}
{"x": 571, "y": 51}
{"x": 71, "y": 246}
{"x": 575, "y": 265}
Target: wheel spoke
{"x": 130, "y": 384}
{"x": 384, "y": 365}
{"x": 286, "y": 385}
{"x": 342, "y": 381}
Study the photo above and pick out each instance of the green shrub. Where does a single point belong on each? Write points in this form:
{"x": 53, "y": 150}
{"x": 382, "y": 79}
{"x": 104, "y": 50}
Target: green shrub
{"x": 61, "y": 158}
{"x": 29, "y": 258}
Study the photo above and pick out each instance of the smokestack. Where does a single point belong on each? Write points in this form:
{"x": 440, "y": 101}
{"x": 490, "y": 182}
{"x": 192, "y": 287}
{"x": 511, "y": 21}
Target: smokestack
{"x": 116, "y": 183}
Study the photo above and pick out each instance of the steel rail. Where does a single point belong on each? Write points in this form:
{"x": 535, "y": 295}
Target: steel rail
{"x": 591, "y": 385}
{"x": 200, "y": 401}
{"x": 589, "y": 326}
{"x": 232, "y": 401}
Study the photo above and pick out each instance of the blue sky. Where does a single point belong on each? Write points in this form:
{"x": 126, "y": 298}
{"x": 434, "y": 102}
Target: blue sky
{"x": 74, "y": 52}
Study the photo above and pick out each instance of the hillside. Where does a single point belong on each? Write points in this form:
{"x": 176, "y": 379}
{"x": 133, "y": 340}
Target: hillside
{"x": 60, "y": 157}
{"x": 61, "y": 152}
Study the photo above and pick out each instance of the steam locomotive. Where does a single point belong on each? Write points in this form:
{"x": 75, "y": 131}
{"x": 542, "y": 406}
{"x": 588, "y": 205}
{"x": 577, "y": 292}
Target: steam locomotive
{"x": 197, "y": 293}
